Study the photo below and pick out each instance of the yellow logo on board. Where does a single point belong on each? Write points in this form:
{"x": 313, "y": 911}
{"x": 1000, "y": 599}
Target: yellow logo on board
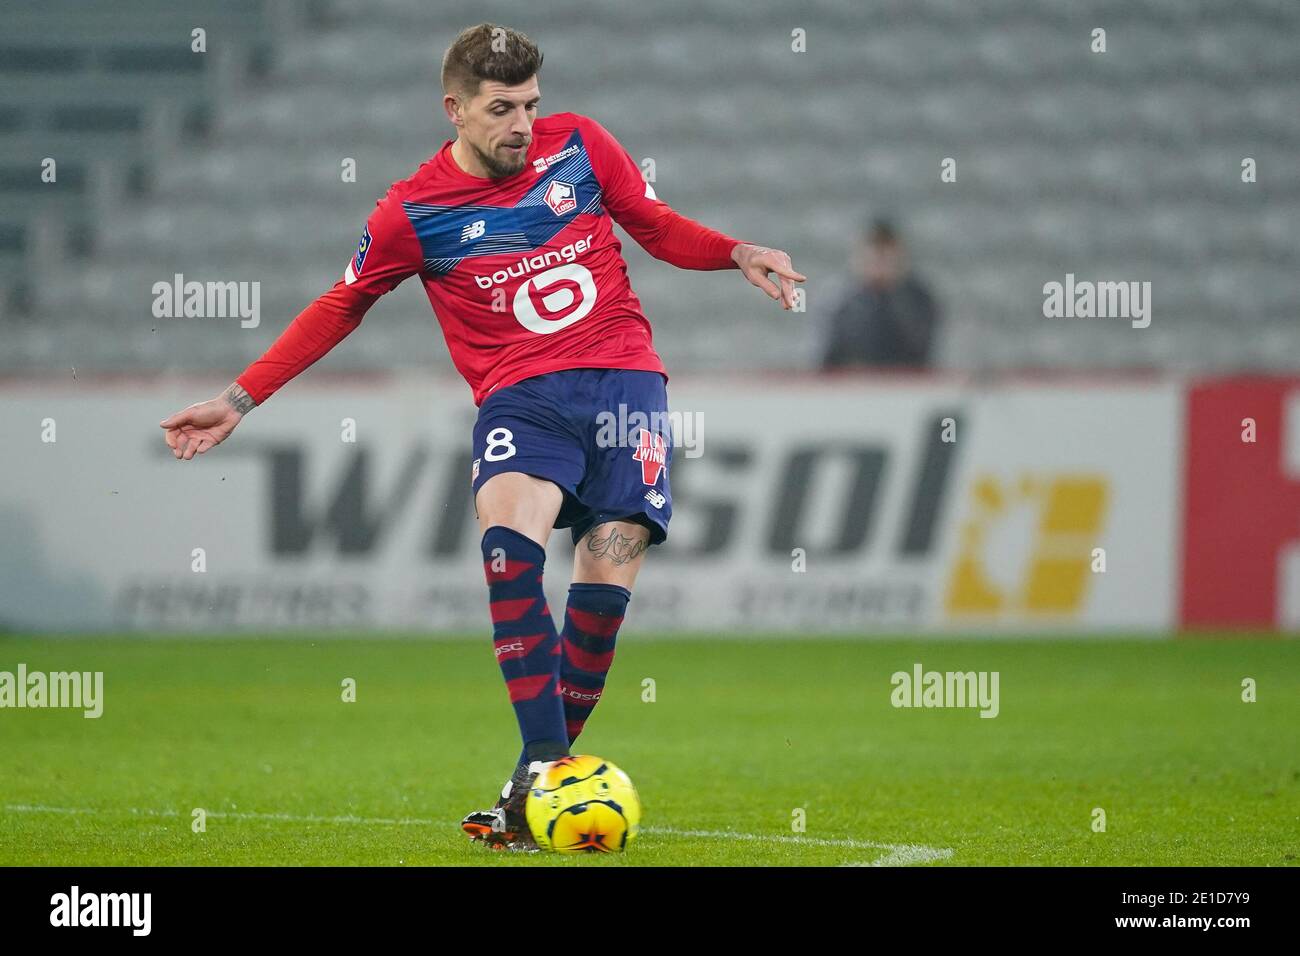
{"x": 1064, "y": 514}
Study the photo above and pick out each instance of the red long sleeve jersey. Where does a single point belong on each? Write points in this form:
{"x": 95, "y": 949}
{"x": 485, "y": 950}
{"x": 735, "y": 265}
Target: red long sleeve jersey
{"x": 524, "y": 273}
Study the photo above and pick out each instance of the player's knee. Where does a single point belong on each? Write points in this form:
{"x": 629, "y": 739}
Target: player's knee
{"x": 520, "y": 502}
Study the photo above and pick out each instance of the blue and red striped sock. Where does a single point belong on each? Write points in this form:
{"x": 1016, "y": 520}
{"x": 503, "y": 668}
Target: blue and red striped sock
{"x": 523, "y": 634}
{"x": 591, "y": 623}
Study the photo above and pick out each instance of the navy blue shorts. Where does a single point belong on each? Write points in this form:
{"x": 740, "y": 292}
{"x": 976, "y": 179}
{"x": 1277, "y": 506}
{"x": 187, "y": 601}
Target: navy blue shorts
{"x": 601, "y": 434}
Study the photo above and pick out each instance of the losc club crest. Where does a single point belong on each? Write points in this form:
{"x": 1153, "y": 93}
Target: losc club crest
{"x": 561, "y": 197}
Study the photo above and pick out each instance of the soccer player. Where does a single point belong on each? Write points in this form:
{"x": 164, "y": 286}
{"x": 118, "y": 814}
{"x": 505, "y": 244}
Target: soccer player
{"x": 510, "y": 228}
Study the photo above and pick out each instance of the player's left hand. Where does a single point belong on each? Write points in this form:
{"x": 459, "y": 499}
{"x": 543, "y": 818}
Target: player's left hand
{"x": 757, "y": 261}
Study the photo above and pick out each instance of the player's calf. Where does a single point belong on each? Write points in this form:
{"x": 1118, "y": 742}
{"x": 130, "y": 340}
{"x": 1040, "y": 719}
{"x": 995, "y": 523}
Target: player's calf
{"x": 524, "y": 639}
{"x": 591, "y": 622}
{"x": 606, "y": 562}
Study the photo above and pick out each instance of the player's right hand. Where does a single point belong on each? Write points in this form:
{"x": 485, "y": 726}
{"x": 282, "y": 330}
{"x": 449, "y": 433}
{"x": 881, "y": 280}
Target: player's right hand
{"x": 194, "y": 430}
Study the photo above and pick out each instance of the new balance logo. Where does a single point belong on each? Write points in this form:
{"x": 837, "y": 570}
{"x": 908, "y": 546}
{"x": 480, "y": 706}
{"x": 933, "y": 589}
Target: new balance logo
{"x": 474, "y": 230}
{"x": 655, "y": 498}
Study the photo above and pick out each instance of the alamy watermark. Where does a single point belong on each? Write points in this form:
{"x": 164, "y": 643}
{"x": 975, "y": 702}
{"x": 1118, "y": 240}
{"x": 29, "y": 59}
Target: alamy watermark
{"x": 633, "y": 429}
{"x": 81, "y": 690}
{"x": 1085, "y": 299}
{"x": 179, "y": 299}
{"x": 922, "y": 688}
{"x": 130, "y": 910}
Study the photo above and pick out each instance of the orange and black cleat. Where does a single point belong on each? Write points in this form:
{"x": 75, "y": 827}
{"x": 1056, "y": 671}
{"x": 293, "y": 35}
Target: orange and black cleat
{"x": 505, "y": 827}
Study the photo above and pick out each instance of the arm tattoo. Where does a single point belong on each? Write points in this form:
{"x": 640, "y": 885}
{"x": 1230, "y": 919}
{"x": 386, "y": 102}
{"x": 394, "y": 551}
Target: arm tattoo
{"x": 238, "y": 399}
{"x": 619, "y": 548}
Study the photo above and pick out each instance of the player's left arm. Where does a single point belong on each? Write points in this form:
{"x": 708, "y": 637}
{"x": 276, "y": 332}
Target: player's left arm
{"x": 672, "y": 237}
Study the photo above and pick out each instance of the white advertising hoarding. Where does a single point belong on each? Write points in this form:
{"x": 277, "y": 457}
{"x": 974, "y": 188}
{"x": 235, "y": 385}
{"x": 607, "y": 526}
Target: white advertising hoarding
{"x": 810, "y": 506}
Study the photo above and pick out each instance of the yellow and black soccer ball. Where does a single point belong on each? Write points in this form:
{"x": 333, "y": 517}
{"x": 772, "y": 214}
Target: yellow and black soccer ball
{"x": 583, "y": 804}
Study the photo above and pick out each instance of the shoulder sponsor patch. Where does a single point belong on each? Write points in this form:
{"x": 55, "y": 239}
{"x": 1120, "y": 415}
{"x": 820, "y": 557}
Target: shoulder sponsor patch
{"x": 359, "y": 260}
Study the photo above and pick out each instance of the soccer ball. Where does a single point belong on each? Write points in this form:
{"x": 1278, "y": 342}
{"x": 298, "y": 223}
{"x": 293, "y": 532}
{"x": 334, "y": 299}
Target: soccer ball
{"x": 583, "y": 804}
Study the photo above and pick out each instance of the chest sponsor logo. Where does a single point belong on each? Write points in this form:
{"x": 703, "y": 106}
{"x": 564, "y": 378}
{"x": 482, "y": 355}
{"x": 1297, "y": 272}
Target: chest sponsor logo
{"x": 542, "y": 165}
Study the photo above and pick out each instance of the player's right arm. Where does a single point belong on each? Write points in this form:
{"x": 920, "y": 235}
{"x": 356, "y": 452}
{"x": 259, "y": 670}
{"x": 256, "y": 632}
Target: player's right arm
{"x": 670, "y": 236}
{"x": 388, "y": 252}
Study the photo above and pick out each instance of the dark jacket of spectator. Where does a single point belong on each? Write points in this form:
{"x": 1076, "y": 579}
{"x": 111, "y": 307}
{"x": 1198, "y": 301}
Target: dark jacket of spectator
{"x": 876, "y": 326}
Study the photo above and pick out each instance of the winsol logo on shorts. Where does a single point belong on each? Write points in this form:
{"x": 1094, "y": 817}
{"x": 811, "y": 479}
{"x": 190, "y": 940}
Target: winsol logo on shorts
{"x": 652, "y": 452}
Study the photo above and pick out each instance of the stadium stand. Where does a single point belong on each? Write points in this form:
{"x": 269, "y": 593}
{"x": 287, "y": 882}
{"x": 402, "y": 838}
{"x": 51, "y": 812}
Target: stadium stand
{"x": 226, "y": 166}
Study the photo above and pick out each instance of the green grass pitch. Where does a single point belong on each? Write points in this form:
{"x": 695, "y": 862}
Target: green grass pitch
{"x": 740, "y": 735}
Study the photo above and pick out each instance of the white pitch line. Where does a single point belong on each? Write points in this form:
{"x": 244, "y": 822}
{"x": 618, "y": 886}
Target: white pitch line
{"x": 900, "y": 854}
{"x": 224, "y": 815}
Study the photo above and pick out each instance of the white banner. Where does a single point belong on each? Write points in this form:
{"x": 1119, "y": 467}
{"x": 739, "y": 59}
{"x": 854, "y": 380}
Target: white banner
{"x": 813, "y": 506}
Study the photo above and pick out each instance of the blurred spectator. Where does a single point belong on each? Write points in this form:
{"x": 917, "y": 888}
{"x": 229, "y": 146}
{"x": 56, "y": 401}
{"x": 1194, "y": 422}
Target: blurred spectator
{"x": 888, "y": 319}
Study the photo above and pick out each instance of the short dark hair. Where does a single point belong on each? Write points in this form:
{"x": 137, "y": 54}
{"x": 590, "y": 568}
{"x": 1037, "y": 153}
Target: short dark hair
{"x": 880, "y": 231}
{"x": 488, "y": 52}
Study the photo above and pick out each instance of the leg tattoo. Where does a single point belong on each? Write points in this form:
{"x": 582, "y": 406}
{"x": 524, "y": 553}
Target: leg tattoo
{"x": 606, "y": 541}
